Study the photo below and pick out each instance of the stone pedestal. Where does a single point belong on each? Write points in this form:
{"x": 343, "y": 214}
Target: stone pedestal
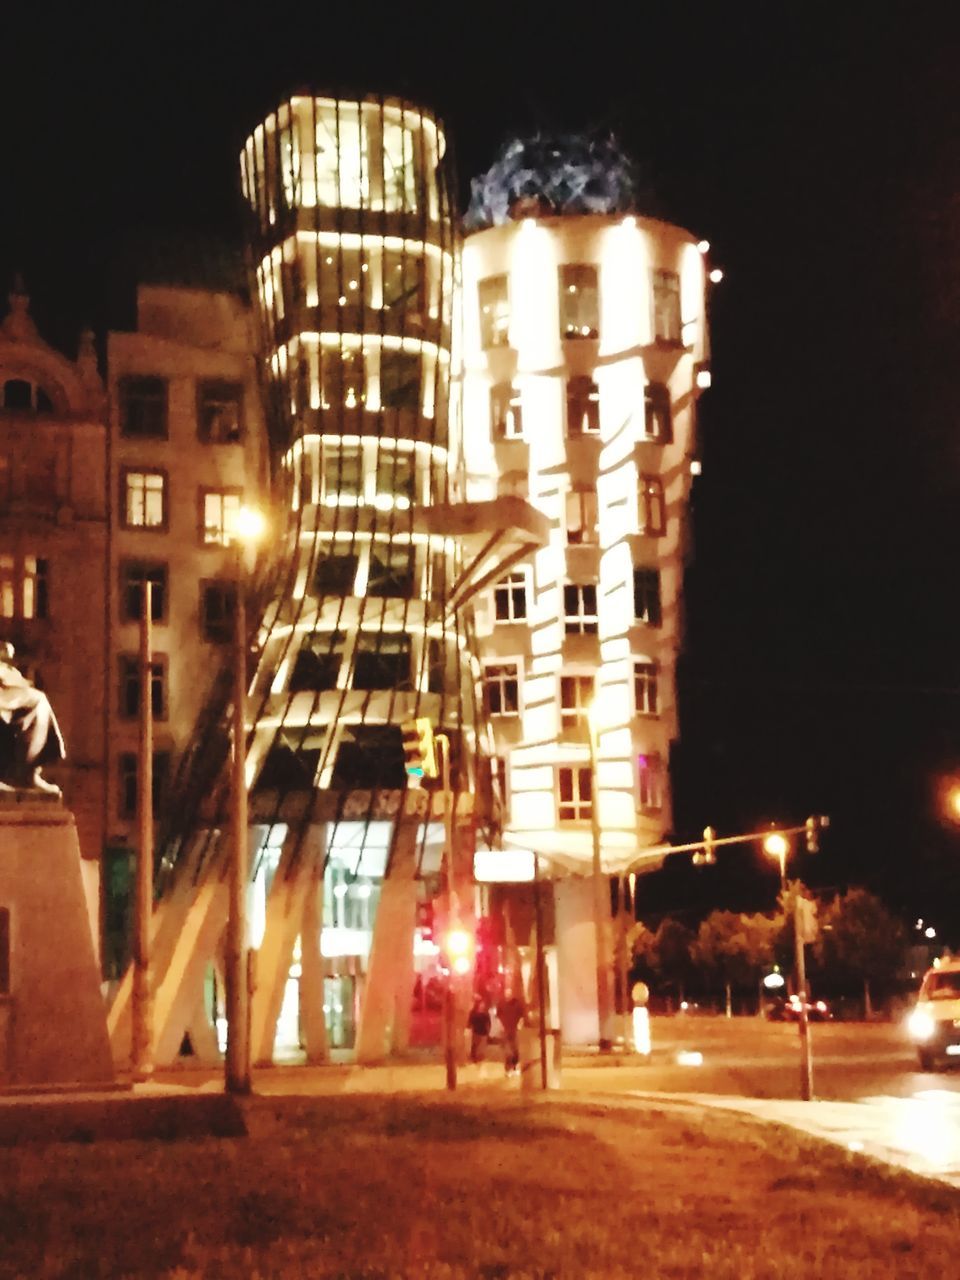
{"x": 53, "y": 1028}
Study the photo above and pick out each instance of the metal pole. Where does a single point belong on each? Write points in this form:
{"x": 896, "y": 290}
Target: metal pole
{"x": 237, "y": 1062}
{"x": 449, "y": 995}
{"x": 626, "y": 909}
{"x": 541, "y": 969}
{"x": 141, "y": 1049}
{"x": 601, "y": 908}
{"x": 806, "y": 1056}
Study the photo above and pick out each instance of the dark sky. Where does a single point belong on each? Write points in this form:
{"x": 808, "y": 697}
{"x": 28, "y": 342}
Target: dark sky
{"x": 816, "y": 146}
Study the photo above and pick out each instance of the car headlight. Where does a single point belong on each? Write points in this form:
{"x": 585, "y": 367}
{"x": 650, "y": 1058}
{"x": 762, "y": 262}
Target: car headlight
{"x": 920, "y": 1025}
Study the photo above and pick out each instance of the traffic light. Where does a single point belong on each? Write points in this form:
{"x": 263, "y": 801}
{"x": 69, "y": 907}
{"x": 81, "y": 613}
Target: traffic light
{"x": 706, "y": 856}
{"x": 813, "y": 827}
{"x": 419, "y": 751}
{"x": 458, "y": 947}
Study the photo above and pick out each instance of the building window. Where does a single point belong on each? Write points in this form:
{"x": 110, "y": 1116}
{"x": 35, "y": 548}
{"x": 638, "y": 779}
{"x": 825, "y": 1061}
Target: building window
{"x": 128, "y": 766}
{"x": 219, "y": 509}
{"x": 582, "y": 516}
{"x": 666, "y": 306}
{"x": 143, "y": 408}
{"x": 494, "y": 299}
{"x": 342, "y": 472}
{"x": 133, "y": 575}
{"x": 24, "y": 586}
{"x": 391, "y": 570}
{"x": 510, "y": 598}
{"x": 506, "y": 417}
{"x": 657, "y": 415}
{"x": 574, "y": 793}
{"x": 645, "y": 690}
{"x": 650, "y": 782}
{"x": 583, "y": 407}
{"x": 317, "y": 665}
{"x": 653, "y": 513}
{"x": 580, "y": 609}
{"x": 400, "y": 380}
{"x": 217, "y": 611}
{"x": 579, "y": 301}
{"x": 335, "y": 575}
{"x": 576, "y": 699}
{"x": 646, "y": 596}
{"x": 501, "y": 688}
{"x": 144, "y": 498}
{"x": 130, "y": 687}
{"x": 382, "y": 661}
{"x": 396, "y": 474}
{"x": 403, "y": 282}
{"x": 219, "y": 412}
{"x": 342, "y": 378}
{"x": 4, "y": 951}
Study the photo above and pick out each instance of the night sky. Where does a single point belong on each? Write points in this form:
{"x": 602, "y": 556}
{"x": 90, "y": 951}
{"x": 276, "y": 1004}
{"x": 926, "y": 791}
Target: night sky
{"x": 816, "y": 147}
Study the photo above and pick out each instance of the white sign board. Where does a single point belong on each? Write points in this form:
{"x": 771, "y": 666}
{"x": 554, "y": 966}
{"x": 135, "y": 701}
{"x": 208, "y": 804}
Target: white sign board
{"x": 503, "y": 866}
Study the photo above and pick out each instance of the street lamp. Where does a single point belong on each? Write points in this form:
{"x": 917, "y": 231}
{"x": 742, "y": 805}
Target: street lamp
{"x": 246, "y": 530}
{"x": 777, "y": 846}
{"x": 601, "y": 897}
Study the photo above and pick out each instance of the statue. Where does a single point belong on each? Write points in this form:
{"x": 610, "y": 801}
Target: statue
{"x": 30, "y": 727}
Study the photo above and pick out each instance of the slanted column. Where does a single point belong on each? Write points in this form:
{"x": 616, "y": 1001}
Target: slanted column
{"x": 312, "y": 1021}
{"x": 390, "y": 971}
{"x": 285, "y": 911}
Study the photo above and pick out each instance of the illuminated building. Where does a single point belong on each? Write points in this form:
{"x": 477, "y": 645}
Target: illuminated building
{"x": 585, "y": 350}
{"x": 53, "y": 548}
{"x": 187, "y": 448}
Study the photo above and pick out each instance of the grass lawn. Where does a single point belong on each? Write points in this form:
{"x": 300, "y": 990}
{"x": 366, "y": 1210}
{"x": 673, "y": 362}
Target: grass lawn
{"x": 490, "y": 1186}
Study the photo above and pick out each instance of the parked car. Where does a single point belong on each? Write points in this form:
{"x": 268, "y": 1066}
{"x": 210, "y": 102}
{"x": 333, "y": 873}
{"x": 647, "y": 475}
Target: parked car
{"x": 788, "y": 1008}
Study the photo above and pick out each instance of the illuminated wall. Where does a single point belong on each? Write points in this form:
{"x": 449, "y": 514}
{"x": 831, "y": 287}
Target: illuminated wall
{"x": 585, "y": 348}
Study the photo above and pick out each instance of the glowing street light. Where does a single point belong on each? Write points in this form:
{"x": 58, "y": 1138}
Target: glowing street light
{"x": 776, "y": 845}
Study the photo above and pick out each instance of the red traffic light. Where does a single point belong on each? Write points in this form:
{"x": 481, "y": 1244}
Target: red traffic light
{"x": 458, "y": 946}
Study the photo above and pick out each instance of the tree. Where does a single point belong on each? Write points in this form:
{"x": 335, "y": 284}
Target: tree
{"x": 861, "y": 939}
{"x": 735, "y": 947}
{"x": 665, "y": 954}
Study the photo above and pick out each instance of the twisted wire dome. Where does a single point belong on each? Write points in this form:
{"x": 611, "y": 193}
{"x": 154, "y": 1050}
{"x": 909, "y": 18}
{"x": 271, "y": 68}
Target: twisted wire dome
{"x": 554, "y": 174}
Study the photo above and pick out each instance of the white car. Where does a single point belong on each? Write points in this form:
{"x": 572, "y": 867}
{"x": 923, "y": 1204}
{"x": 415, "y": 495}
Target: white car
{"x": 934, "y": 1024}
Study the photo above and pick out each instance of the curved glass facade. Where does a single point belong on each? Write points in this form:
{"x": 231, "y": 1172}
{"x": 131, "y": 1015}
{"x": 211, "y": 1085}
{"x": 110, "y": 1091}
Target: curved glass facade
{"x": 353, "y": 246}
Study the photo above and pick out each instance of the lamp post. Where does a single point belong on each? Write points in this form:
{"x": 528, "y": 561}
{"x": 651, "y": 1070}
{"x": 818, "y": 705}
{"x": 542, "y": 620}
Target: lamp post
{"x": 141, "y": 1046}
{"x": 601, "y": 900}
{"x": 246, "y": 531}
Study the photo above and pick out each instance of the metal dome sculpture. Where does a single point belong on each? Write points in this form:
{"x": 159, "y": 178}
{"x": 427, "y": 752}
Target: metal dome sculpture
{"x": 553, "y": 174}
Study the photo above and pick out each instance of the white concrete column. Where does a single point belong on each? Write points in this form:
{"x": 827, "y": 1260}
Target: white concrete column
{"x": 576, "y": 959}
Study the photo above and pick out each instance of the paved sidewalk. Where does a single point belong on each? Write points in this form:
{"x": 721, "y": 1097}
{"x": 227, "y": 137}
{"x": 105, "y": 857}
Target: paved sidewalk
{"x": 921, "y": 1134}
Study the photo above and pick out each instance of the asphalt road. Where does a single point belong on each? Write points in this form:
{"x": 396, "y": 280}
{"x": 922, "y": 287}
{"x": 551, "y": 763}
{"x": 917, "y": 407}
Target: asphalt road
{"x": 745, "y": 1056}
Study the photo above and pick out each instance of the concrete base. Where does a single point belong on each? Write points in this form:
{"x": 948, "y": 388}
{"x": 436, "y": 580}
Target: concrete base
{"x": 53, "y": 1028}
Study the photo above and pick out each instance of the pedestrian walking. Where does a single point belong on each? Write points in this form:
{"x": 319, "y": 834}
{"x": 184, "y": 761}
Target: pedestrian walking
{"x": 478, "y": 1021}
{"x": 511, "y": 1012}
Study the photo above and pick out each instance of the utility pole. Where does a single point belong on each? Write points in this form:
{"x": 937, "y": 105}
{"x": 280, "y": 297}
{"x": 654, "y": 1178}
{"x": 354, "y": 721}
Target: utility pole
{"x": 141, "y": 1048}
{"x": 452, "y": 913}
{"x": 804, "y": 928}
{"x": 601, "y": 906}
